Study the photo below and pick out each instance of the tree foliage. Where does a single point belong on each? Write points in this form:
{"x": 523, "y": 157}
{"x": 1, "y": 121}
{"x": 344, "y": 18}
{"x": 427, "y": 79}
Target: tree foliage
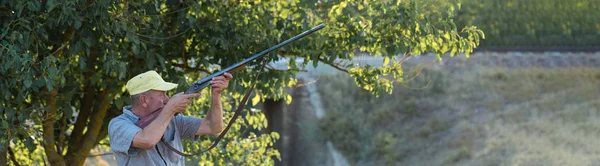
{"x": 65, "y": 63}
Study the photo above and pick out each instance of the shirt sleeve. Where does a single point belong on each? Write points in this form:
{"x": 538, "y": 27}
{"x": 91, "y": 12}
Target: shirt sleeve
{"x": 121, "y": 133}
{"x": 188, "y": 126}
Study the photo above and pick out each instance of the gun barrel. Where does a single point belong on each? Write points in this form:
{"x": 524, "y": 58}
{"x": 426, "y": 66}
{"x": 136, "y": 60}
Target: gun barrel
{"x": 199, "y": 85}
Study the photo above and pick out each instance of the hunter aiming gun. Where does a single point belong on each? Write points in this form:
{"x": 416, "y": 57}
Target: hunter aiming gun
{"x": 204, "y": 82}
{"x": 201, "y": 84}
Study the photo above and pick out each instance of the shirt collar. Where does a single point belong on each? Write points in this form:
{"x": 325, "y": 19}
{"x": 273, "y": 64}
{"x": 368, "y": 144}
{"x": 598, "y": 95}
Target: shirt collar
{"x": 130, "y": 115}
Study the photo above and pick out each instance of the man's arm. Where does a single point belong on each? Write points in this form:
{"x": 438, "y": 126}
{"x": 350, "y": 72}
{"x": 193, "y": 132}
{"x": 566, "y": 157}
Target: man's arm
{"x": 213, "y": 122}
{"x": 151, "y": 134}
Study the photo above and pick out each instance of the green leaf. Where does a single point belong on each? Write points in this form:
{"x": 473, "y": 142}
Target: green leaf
{"x": 386, "y": 61}
{"x": 27, "y": 83}
{"x": 77, "y": 23}
{"x": 161, "y": 61}
{"x": 82, "y": 63}
{"x": 10, "y": 113}
{"x": 87, "y": 41}
{"x": 255, "y": 100}
{"x": 288, "y": 99}
{"x": 39, "y": 83}
{"x": 49, "y": 84}
{"x": 50, "y": 5}
{"x": 21, "y": 117}
{"x": 30, "y": 144}
{"x": 122, "y": 70}
{"x": 33, "y": 6}
{"x": 150, "y": 60}
{"x": 52, "y": 72}
{"x": 284, "y": 13}
{"x": 135, "y": 49}
{"x": 4, "y": 32}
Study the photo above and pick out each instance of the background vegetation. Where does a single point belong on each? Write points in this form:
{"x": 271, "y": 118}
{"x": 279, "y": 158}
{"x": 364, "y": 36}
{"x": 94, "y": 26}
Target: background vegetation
{"x": 492, "y": 109}
{"x": 472, "y": 112}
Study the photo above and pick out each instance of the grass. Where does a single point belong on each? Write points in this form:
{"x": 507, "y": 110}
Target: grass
{"x": 469, "y": 115}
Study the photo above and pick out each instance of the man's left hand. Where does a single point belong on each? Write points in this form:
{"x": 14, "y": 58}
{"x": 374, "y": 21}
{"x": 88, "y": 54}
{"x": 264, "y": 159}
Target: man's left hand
{"x": 220, "y": 83}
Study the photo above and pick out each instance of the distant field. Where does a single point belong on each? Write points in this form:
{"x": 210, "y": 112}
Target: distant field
{"x": 491, "y": 109}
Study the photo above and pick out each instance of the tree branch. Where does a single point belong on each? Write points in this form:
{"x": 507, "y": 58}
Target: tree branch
{"x": 279, "y": 70}
{"x": 101, "y": 154}
{"x": 290, "y": 53}
{"x": 333, "y": 65}
{"x": 104, "y": 131}
{"x": 48, "y": 129}
{"x": 4, "y": 155}
{"x": 93, "y": 128}
{"x": 162, "y": 38}
{"x": 89, "y": 91}
{"x": 86, "y": 7}
{"x": 187, "y": 68}
{"x": 61, "y": 136}
{"x": 12, "y": 157}
{"x": 65, "y": 40}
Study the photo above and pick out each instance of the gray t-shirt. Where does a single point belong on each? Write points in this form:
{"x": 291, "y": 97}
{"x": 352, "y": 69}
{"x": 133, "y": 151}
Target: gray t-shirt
{"x": 122, "y": 129}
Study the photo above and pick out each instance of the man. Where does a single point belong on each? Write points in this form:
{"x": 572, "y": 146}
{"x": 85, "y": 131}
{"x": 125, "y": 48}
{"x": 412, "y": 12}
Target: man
{"x": 135, "y": 145}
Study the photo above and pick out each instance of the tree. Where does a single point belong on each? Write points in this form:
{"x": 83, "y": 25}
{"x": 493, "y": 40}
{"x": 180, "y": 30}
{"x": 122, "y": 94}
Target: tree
{"x": 65, "y": 63}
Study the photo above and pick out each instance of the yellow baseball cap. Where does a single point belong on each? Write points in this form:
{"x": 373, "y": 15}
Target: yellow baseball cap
{"x": 149, "y": 80}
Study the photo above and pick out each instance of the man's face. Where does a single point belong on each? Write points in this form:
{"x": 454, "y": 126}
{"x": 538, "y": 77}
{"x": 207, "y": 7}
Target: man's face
{"x": 156, "y": 100}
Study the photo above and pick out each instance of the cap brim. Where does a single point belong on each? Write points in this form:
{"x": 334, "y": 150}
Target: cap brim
{"x": 165, "y": 86}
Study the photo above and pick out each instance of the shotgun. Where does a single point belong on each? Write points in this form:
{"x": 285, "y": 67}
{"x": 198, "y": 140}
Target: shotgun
{"x": 204, "y": 82}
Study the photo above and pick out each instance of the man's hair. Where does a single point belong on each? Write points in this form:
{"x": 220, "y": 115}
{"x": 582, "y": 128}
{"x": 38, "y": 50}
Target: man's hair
{"x": 135, "y": 99}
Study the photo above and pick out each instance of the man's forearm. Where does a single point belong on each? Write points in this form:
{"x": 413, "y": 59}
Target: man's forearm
{"x": 151, "y": 134}
{"x": 215, "y": 115}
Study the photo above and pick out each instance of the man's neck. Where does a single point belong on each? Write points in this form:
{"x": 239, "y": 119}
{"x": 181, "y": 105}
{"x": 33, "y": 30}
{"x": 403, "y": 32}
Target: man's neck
{"x": 140, "y": 112}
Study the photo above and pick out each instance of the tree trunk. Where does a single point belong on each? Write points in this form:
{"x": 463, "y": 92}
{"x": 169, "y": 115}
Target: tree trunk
{"x": 4, "y": 147}
{"x": 48, "y": 130}
{"x": 93, "y": 129}
{"x": 49, "y": 142}
{"x": 87, "y": 103}
{"x": 270, "y": 106}
{"x": 274, "y": 113}
{"x": 3, "y": 158}
{"x": 12, "y": 157}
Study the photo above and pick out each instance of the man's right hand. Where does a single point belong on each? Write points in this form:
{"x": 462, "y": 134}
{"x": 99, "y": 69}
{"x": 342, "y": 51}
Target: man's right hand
{"x": 179, "y": 102}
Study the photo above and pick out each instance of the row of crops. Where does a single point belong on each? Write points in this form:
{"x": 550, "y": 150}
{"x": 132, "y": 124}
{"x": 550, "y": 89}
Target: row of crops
{"x": 533, "y": 23}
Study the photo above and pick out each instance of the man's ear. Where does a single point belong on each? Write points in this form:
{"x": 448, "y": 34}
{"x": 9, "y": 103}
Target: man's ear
{"x": 143, "y": 101}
